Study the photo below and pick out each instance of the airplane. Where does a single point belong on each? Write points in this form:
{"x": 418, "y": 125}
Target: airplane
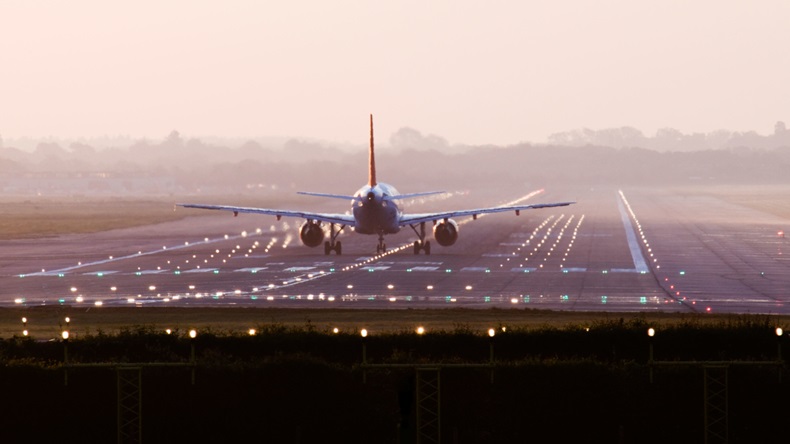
{"x": 375, "y": 210}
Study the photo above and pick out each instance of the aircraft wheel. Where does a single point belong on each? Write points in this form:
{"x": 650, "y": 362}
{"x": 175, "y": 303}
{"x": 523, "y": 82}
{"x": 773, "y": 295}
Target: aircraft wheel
{"x": 417, "y": 247}
{"x": 338, "y": 248}
{"x": 327, "y": 248}
{"x": 427, "y": 248}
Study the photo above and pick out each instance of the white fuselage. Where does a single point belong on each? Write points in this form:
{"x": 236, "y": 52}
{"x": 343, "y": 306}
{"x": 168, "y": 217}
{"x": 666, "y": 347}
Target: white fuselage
{"x": 375, "y": 212}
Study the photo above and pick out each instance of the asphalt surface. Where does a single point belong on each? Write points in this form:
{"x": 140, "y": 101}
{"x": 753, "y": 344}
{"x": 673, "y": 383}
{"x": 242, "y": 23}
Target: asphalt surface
{"x": 635, "y": 250}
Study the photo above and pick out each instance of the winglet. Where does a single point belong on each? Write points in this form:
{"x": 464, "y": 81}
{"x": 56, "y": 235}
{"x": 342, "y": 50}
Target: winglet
{"x": 371, "y": 158}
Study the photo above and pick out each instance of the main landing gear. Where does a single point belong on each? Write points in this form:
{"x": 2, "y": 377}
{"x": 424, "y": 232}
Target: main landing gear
{"x": 333, "y": 244}
{"x": 421, "y": 244}
{"x": 426, "y": 247}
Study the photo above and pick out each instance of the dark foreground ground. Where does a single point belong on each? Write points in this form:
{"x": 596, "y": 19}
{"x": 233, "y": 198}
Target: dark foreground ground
{"x": 577, "y": 382}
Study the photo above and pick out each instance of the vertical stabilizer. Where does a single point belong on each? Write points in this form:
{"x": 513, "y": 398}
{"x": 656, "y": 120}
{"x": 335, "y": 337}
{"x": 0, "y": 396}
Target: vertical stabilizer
{"x": 371, "y": 158}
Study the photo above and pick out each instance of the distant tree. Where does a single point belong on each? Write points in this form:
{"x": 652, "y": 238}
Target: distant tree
{"x": 718, "y": 139}
{"x": 50, "y": 150}
{"x": 748, "y": 139}
{"x": 619, "y": 137}
{"x": 409, "y": 138}
{"x": 572, "y": 138}
{"x": 781, "y": 137}
{"x": 251, "y": 146}
{"x": 303, "y": 150}
{"x": 82, "y": 150}
{"x": 174, "y": 140}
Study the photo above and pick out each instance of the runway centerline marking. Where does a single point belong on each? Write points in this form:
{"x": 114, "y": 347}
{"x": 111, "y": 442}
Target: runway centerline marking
{"x": 201, "y": 270}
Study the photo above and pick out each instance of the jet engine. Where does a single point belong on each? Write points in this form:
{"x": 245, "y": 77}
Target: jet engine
{"x": 311, "y": 233}
{"x": 446, "y": 233}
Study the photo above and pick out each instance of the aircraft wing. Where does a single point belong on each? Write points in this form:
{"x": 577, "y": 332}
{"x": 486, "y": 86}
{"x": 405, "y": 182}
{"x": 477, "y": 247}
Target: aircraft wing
{"x": 410, "y": 219}
{"x": 343, "y": 219}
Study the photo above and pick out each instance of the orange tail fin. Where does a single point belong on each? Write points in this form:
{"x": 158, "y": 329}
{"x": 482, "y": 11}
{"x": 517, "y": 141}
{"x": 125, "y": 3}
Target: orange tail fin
{"x": 371, "y": 158}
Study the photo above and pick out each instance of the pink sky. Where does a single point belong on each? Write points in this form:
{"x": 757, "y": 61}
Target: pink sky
{"x": 473, "y": 72}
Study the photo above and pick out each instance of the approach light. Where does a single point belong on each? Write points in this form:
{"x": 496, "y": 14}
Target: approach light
{"x": 65, "y": 335}
{"x": 24, "y": 320}
{"x": 779, "y": 331}
{"x": 168, "y": 331}
{"x": 491, "y": 332}
{"x": 335, "y": 330}
{"x": 420, "y": 330}
{"x": 252, "y": 332}
{"x": 364, "y": 333}
{"x": 68, "y": 319}
{"x": 651, "y": 332}
{"x": 192, "y": 333}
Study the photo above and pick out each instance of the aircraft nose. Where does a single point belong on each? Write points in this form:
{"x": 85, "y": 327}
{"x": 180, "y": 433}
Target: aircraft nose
{"x": 371, "y": 196}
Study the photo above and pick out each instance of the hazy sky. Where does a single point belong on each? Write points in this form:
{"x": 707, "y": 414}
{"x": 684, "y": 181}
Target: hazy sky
{"x": 473, "y": 72}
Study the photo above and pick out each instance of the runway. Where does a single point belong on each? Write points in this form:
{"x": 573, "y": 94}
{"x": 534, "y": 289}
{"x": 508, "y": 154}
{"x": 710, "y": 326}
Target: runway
{"x": 615, "y": 250}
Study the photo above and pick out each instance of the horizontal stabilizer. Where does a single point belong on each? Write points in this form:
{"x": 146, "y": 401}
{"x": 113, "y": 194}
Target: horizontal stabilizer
{"x": 413, "y": 195}
{"x": 333, "y": 196}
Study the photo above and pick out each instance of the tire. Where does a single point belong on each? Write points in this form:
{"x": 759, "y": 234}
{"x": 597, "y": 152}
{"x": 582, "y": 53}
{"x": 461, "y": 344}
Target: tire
{"x": 417, "y": 247}
{"x": 338, "y": 248}
{"x": 327, "y": 248}
{"x": 427, "y": 248}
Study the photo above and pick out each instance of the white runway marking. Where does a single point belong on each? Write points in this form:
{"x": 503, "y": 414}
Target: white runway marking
{"x": 636, "y": 253}
{"x": 201, "y": 270}
{"x": 135, "y": 255}
{"x": 424, "y": 268}
{"x": 45, "y": 273}
{"x": 474, "y": 269}
{"x": 297, "y": 269}
{"x": 250, "y": 270}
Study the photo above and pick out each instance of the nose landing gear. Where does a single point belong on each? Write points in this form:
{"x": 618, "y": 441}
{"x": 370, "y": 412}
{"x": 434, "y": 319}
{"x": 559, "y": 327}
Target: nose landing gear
{"x": 381, "y": 247}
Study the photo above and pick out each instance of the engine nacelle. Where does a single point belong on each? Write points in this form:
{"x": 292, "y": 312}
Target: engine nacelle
{"x": 311, "y": 234}
{"x": 446, "y": 233}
